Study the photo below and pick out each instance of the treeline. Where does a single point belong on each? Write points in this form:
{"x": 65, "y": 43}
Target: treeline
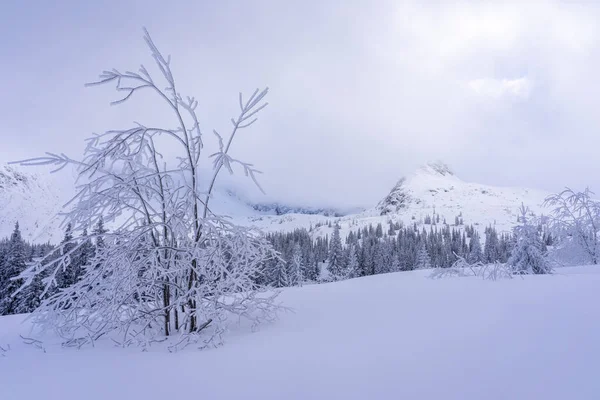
{"x": 16, "y": 254}
{"x": 370, "y": 250}
{"x": 377, "y": 250}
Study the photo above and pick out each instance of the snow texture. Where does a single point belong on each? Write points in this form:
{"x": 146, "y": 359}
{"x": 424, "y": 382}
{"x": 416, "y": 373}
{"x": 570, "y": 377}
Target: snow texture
{"x": 391, "y": 336}
{"x": 32, "y": 200}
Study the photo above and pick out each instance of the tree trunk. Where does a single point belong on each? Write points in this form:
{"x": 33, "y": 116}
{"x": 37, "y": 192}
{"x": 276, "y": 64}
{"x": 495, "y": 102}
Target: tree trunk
{"x": 166, "y": 306}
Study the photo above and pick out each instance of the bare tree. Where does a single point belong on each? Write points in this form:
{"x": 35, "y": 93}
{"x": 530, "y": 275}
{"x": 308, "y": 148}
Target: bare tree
{"x": 170, "y": 265}
{"x": 575, "y": 220}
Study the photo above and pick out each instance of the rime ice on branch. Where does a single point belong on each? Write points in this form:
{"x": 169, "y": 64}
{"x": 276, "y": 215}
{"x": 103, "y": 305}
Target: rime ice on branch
{"x": 169, "y": 266}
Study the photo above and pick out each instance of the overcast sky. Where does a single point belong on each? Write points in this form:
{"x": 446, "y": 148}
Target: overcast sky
{"x": 361, "y": 92}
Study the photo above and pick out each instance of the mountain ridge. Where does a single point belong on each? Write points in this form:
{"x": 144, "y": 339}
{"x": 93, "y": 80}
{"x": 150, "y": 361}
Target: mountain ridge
{"x": 431, "y": 190}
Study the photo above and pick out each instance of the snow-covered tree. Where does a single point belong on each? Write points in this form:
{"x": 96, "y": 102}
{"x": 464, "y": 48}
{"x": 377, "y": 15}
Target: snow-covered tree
{"x": 67, "y": 276}
{"x": 475, "y": 253}
{"x": 353, "y": 269}
{"x": 280, "y": 274}
{"x": 99, "y": 231}
{"x": 423, "y": 259}
{"x": 491, "y": 251}
{"x": 336, "y": 263}
{"x": 169, "y": 265}
{"x": 575, "y": 223}
{"x": 15, "y": 262}
{"x": 527, "y": 256}
{"x": 383, "y": 257}
{"x": 296, "y": 267}
{"x": 379, "y": 230}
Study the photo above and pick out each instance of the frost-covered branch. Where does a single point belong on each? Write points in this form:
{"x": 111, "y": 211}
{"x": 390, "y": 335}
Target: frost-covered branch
{"x": 462, "y": 268}
{"x": 169, "y": 266}
{"x": 248, "y": 110}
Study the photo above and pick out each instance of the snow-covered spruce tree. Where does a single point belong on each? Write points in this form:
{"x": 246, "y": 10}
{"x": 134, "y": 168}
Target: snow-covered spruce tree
{"x": 383, "y": 257}
{"x": 15, "y": 262}
{"x": 279, "y": 274}
{"x": 336, "y": 264}
{"x": 491, "y": 251}
{"x": 423, "y": 259}
{"x": 296, "y": 267}
{"x": 475, "y": 253}
{"x": 353, "y": 270}
{"x": 67, "y": 276}
{"x": 169, "y": 266}
{"x": 99, "y": 231}
{"x": 575, "y": 224}
{"x": 527, "y": 256}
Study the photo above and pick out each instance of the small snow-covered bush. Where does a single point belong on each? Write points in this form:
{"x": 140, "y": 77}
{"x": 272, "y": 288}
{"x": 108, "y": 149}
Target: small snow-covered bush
{"x": 528, "y": 255}
{"x": 459, "y": 268}
{"x": 170, "y": 266}
{"x": 462, "y": 268}
{"x": 495, "y": 271}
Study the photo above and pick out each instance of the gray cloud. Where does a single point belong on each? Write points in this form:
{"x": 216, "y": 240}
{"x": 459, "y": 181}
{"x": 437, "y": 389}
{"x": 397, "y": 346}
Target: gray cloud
{"x": 361, "y": 92}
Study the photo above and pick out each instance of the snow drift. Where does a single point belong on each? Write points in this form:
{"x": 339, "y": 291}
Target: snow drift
{"x": 389, "y": 336}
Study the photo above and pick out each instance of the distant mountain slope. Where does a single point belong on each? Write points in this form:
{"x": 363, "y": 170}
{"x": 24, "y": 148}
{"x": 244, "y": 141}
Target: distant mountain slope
{"x": 433, "y": 190}
{"x": 31, "y": 200}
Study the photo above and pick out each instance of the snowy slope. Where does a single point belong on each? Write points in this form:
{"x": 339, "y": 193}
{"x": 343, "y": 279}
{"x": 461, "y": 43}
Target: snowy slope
{"x": 395, "y": 336}
{"x": 33, "y": 201}
{"x": 434, "y": 189}
{"x": 34, "y": 197}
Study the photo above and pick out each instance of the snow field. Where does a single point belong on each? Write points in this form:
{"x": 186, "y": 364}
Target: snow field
{"x": 390, "y": 336}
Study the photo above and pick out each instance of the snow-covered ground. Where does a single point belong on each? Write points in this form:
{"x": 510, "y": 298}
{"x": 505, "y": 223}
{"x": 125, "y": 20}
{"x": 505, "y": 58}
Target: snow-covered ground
{"x": 389, "y": 336}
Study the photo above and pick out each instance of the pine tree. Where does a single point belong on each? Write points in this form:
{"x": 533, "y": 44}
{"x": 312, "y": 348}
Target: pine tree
{"x": 65, "y": 277}
{"x": 379, "y": 231}
{"x": 491, "y": 251}
{"x": 82, "y": 257}
{"x": 395, "y": 266}
{"x": 353, "y": 265}
{"x": 423, "y": 259}
{"x": 297, "y": 266}
{"x": 279, "y": 274}
{"x": 15, "y": 262}
{"x": 98, "y": 231}
{"x": 475, "y": 253}
{"x": 527, "y": 256}
{"x": 336, "y": 265}
{"x": 382, "y": 257}
{"x": 311, "y": 267}
{"x": 391, "y": 229}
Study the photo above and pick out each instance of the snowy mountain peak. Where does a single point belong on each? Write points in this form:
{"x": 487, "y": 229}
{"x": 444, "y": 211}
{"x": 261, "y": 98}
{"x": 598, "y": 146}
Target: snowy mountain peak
{"x": 397, "y": 199}
{"x": 430, "y": 176}
{"x": 434, "y": 190}
{"x": 11, "y": 177}
{"x": 437, "y": 168}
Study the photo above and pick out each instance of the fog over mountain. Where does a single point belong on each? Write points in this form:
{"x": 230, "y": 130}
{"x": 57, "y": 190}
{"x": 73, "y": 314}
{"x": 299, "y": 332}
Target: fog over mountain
{"x": 361, "y": 93}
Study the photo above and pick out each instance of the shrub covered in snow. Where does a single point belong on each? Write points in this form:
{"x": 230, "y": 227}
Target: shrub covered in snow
{"x": 170, "y": 266}
{"x": 528, "y": 255}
